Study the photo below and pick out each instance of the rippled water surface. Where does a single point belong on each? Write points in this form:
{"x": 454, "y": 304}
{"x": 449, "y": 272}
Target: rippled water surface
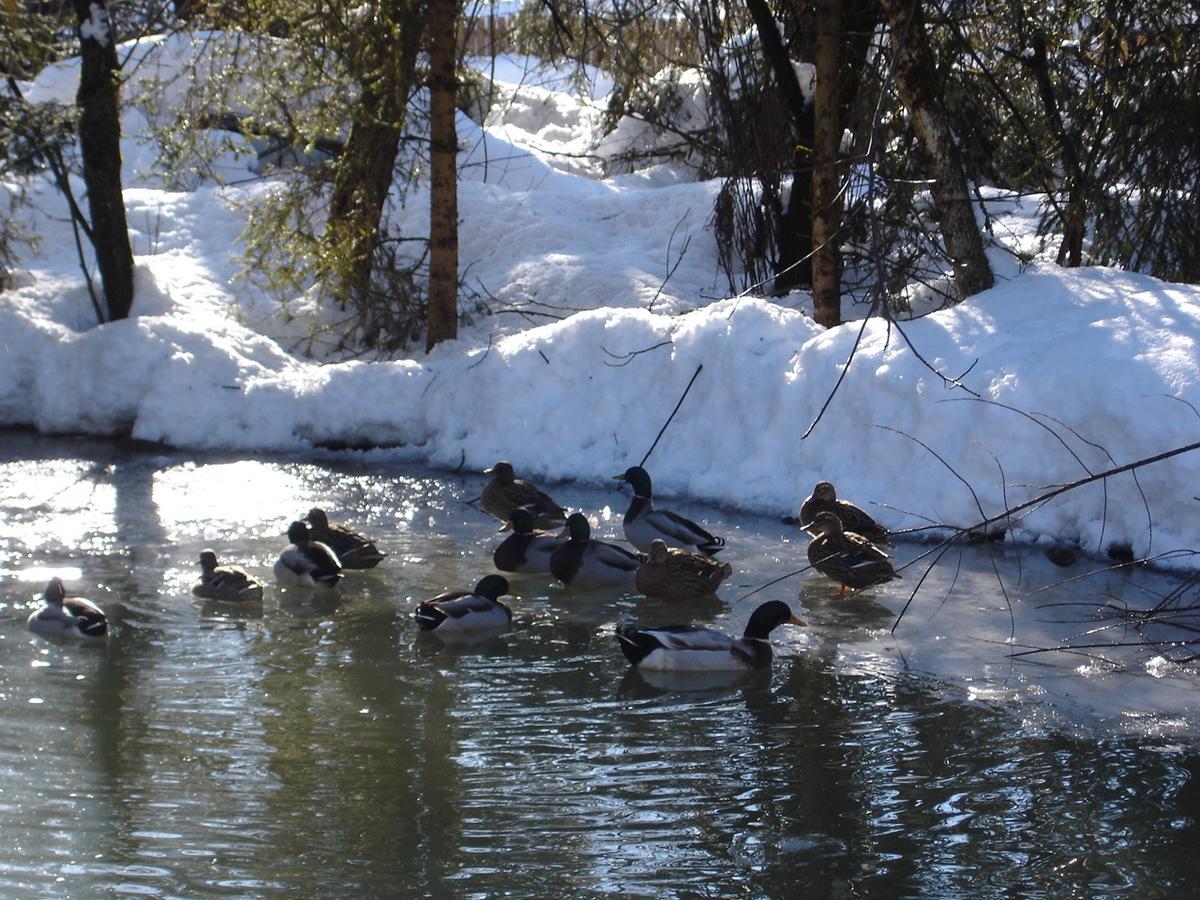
{"x": 318, "y": 746}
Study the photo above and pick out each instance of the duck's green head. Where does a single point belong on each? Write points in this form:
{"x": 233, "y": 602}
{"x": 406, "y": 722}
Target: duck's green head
{"x": 297, "y": 533}
{"x": 768, "y": 617}
{"x": 492, "y": 586}
{"x": 522, "y": 520}
{"x": 55, "y": 591}
{"x": 578, "y": 527}
{"x": 502, "y": 472}
{"x": 316, "y": 518}
{"x": 638, "y": 477}
{"x": 208, "y": 560}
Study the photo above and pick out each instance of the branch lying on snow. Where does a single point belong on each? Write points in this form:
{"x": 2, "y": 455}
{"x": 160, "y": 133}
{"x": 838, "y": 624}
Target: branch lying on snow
{"x": 679, "y": 259}
{"x": 627, "y": 358}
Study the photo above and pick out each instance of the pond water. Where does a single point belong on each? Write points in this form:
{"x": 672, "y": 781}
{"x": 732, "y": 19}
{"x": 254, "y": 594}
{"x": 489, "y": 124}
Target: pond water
{"x": 319, "y": 745}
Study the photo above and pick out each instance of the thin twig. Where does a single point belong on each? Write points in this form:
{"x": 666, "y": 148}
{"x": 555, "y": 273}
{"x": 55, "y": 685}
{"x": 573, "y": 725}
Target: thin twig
{"x": 627, "y": 358}
{"x": 695, "y": 375}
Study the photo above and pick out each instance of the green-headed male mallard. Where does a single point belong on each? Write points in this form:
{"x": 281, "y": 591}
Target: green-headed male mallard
{"x": 643, "y": 523}
{"x": 66, "y": 618}
{"x": 690, "y": 648}
{"x": 583, "y": 562}
{"x": 848, "y": 558}
{"x": 526, "y": 549}
{"x": 824, "y": 498}
{"x": 305, "y": 562}
{"x": 465, "y": 612}
{"x": 353, "y": 550}
{"x": 505, "y": 492}
{"x": 674, "y": 574}
{"x": 229, "y": 584}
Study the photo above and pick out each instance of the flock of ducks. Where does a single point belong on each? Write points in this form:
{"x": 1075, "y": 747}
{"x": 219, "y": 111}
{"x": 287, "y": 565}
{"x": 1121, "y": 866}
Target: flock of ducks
{"x": 672, "y": 560}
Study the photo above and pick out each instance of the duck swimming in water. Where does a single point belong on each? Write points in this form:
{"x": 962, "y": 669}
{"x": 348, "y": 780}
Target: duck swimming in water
{"x": 526, "y": 549}
{"x": 66, "y": 618}
{"x": 581, "y": 561}
{"x": 229, "y": 584}
{"x": 505, "y": 493}
{"x": 643, "y": 523}
{"x": 305, "y": 562}
{"x": 674, "y": 574}
{"x": 465, "y": 612}
{"x": 690, "y": 648}
{"x": 353, "y": 550}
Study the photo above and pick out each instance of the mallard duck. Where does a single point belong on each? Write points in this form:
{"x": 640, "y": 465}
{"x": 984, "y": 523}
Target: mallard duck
{"x": 848, "y": 558}
{"x": 353, "y": 550}
{"x": 65, "y": 617}
{"x": 683, "y": 648}
{"x": 644, "y": 523}
{"x": 674, "y": 574}
{"x": 307, "y": 563}
{"x": 824, "y": 498}
{"x": 227, "y": 583}
{"x": 580, "y": 561}
{"x": 459, "y": 611}
{"x": 526, "y": 549}
{"x": 505, "y": 492}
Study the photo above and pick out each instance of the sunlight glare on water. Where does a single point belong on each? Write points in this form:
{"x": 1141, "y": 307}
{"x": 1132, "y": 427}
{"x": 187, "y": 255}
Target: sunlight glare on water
{"x": 317, "y": 744}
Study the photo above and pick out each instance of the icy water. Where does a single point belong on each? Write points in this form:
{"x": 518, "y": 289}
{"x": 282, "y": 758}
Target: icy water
{"x": 318, "y": 746}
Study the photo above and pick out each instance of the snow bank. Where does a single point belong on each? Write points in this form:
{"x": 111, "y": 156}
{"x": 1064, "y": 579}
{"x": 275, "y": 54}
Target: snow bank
{"x": 1093, "y": 362}
{"x": 1097, "y": 359}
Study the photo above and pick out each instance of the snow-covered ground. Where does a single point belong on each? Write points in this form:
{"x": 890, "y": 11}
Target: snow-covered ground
{"x": 607, "y": 299}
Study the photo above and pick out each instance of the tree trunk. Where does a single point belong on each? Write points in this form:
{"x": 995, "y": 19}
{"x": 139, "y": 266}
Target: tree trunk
{"x": 442, "y": 308}
{"x": 826, "y": 175}
{"x": 365, "y": 171}
{"x": 794, "y": 266}
{"x": 100, "y": 145}
{"x": 917, "y": 79}
{"x": 1070, "y": 252}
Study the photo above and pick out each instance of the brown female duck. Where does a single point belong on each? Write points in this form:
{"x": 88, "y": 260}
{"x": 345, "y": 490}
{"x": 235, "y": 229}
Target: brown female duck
{"x": 824, "y": 498}
{"x": 848, "y": 558}
{"x": 674, "y": 574}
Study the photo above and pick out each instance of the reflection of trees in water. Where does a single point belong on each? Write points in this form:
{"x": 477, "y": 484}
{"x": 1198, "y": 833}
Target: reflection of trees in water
{"x": 364, "y": 798}
{"x": 878, "y": 783}
{"x": 120, "y": 705}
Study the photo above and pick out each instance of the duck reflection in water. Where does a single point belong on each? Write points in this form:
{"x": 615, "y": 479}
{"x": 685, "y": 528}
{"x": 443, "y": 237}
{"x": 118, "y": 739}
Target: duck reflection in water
{"x": 645, "y": 684}
{"x": 307, "y": 604}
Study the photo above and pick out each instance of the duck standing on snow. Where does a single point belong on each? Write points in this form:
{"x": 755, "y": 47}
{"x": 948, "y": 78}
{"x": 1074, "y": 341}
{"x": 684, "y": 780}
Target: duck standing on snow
{"x": 690, "y": 648}
{"x": 824, "y": 498}
{"x": 848, "y": 558}
{"x": 505, "y": 492}
{"x": 464, "y": 613}
{"x": 307, "y": 563}
{"x": 644, "y": 523}
{"x": 674, "y": 574}
{"x": 65, "y": 617}
{"x": 582, "y": 562}
{"x": 526, "y": 549}
{"x": 229, "y": 584}
{"x": 353, "y": 550}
